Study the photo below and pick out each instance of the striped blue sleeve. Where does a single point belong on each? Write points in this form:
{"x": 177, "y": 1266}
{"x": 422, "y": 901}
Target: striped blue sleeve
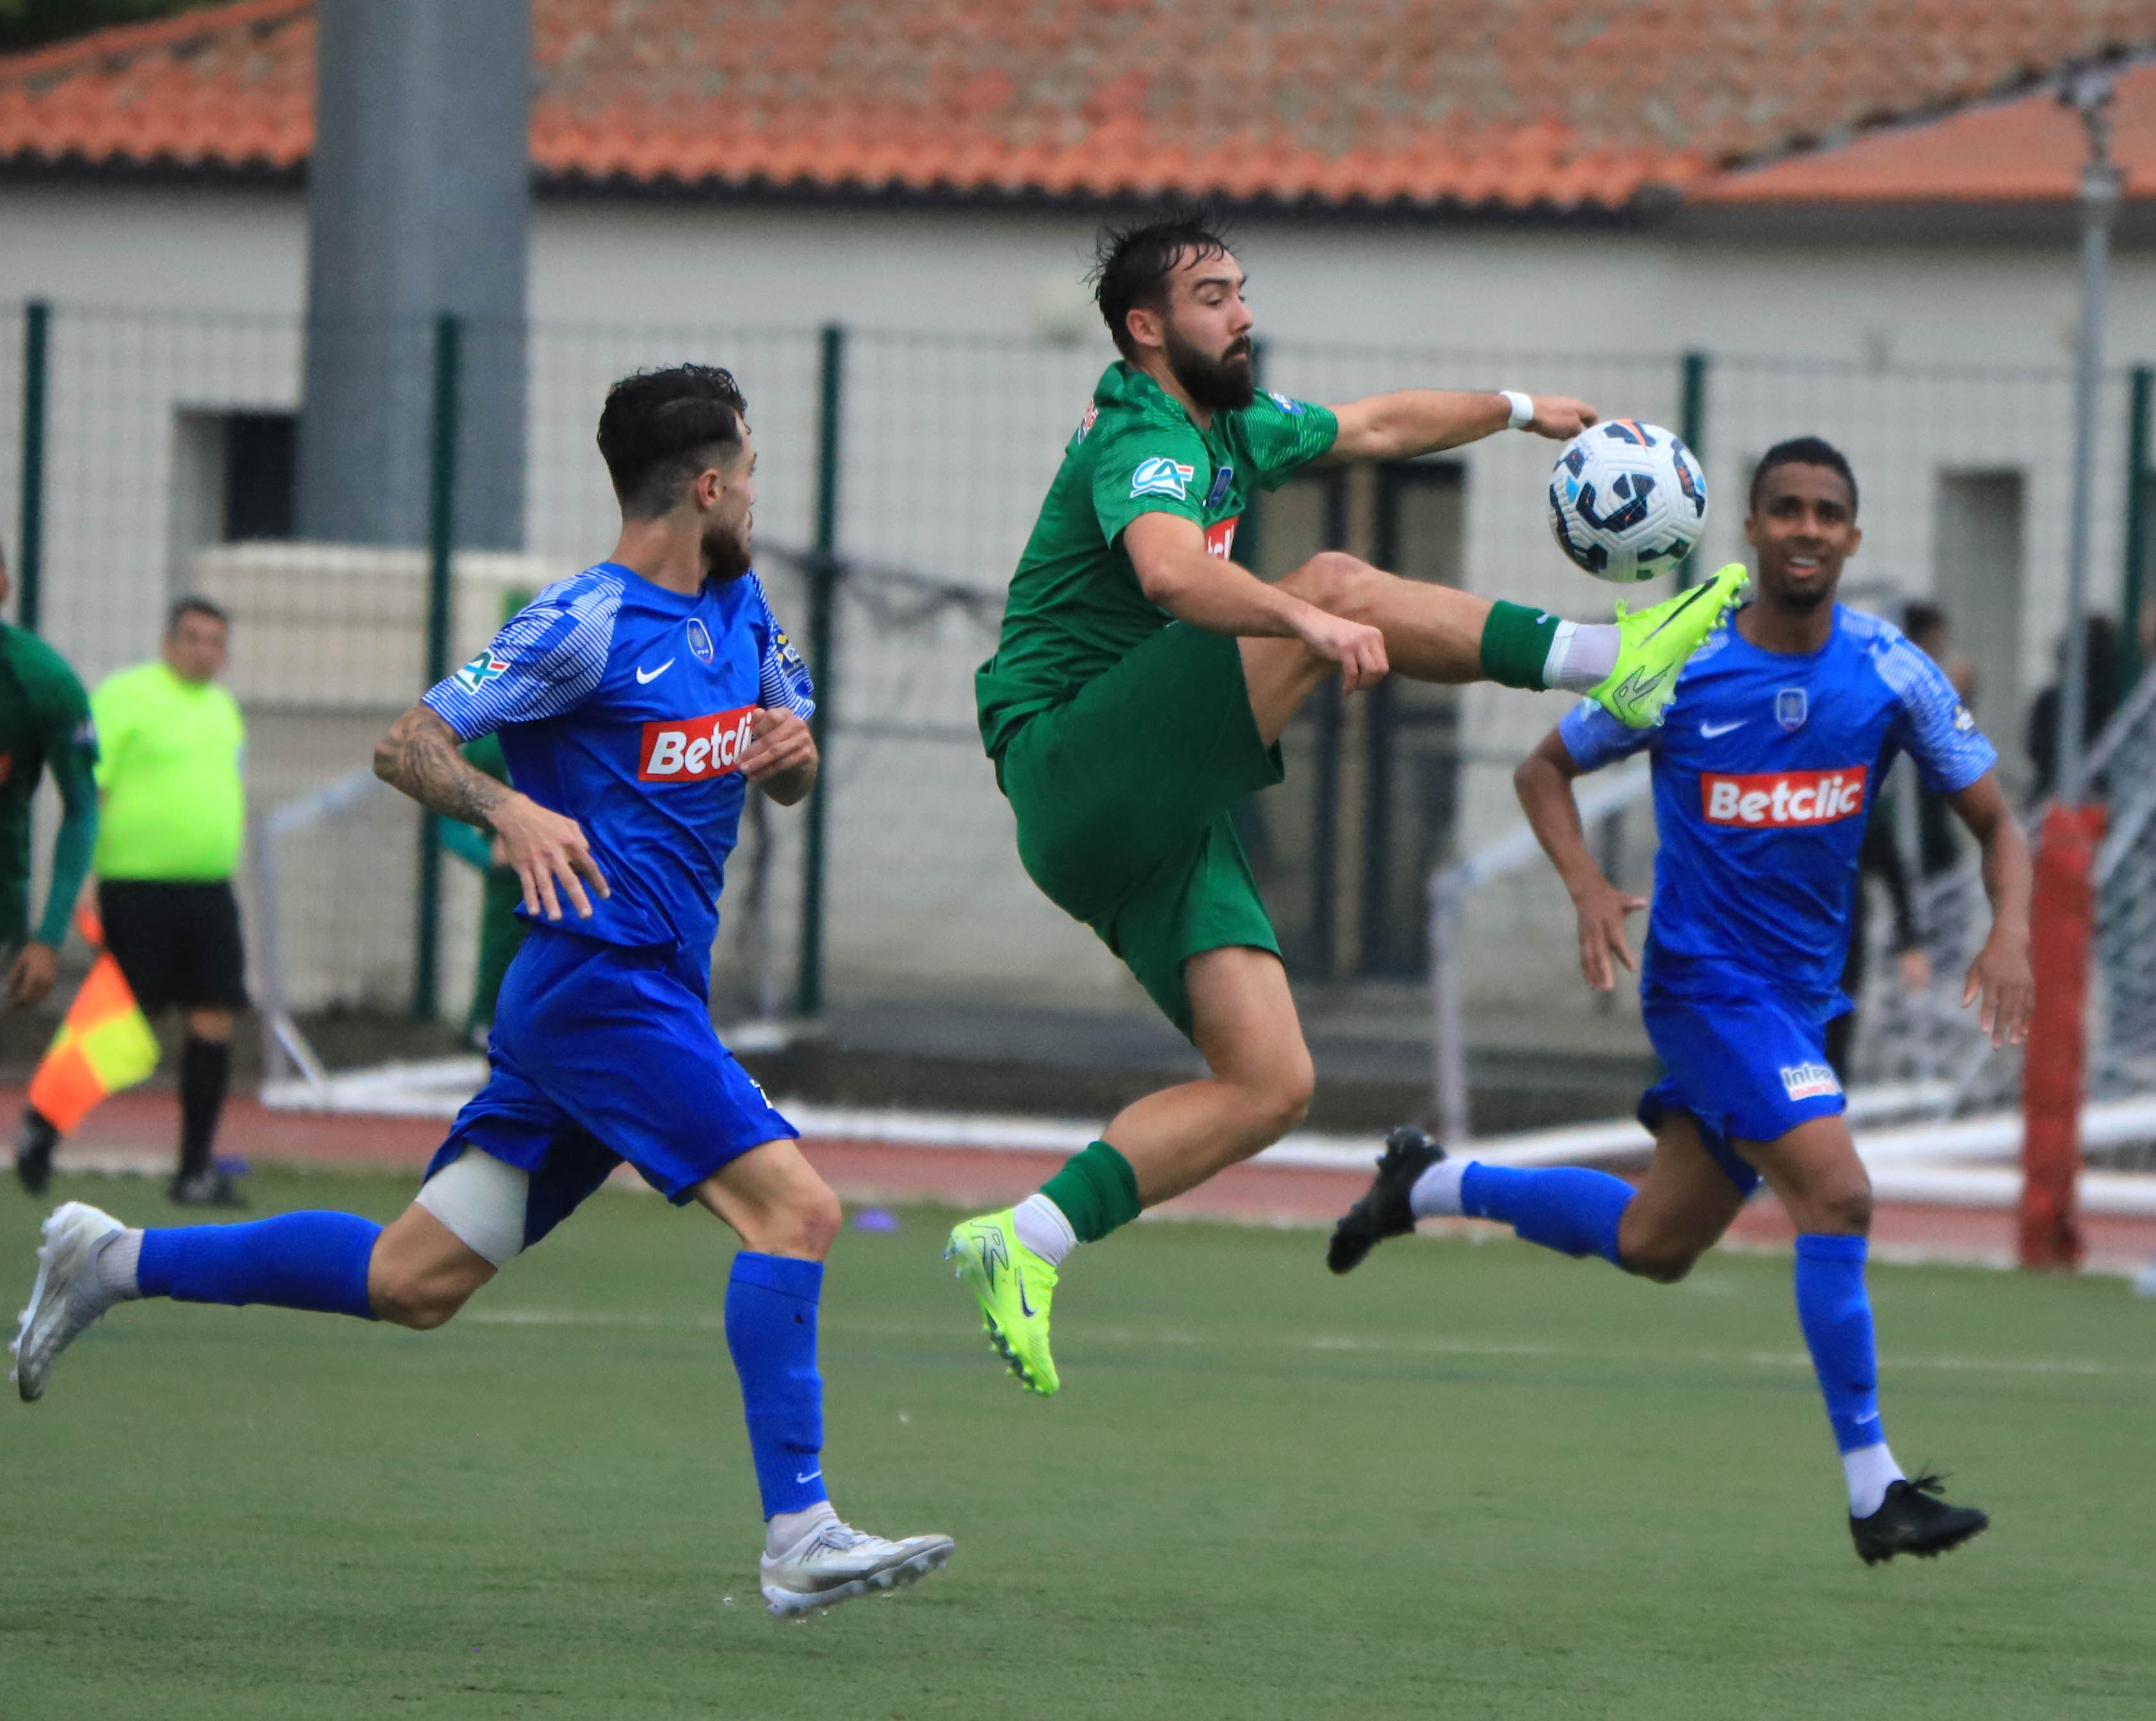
{"x": 782, "y": 682}
{"x": 1595, "y": 738}
{"x": 1935, "y": 728}
{"x": 549, "y": 658}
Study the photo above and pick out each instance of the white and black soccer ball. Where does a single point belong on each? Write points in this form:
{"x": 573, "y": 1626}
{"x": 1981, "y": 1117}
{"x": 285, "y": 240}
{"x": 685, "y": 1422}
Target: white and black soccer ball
{"x": 1627, "y": 501}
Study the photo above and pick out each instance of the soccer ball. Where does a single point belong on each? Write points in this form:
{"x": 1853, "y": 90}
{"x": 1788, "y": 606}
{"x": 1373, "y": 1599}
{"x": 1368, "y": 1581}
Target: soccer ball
{"x": 1627, "y": 501}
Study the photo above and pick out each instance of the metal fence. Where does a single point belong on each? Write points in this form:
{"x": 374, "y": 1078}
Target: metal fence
{"x": 899, "y": 475}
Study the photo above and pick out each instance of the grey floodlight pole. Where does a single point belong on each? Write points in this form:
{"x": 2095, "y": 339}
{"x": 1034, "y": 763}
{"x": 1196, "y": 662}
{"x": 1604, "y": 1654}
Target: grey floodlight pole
{"x": 2088, "y": 90}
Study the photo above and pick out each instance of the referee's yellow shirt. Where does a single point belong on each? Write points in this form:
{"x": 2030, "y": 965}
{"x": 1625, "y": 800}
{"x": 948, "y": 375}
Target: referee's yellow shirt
{"x": 168, "y": 766}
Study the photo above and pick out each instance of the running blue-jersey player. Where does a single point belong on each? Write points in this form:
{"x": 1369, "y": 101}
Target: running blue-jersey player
{"x": 636, "y": 703}
{"x": 1764, "y": 768}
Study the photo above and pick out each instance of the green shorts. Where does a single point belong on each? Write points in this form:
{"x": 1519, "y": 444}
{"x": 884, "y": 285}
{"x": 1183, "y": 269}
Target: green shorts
{"x": 1124, "y": 794}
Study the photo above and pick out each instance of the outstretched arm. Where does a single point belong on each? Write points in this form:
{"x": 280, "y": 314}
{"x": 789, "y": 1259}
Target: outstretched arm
{"x": 1421, "y": 421}
{"x": 1999, "y": 976}
{"x": 1543, "y": 783}
{"x": 419, "y": 756}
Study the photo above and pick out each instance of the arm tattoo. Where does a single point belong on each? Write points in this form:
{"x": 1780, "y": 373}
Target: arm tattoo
{"x": 420, "y": 757}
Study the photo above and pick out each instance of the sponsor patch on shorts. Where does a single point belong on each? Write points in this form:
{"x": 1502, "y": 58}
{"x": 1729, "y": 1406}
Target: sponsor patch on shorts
{"x": 1810, "y": 1082}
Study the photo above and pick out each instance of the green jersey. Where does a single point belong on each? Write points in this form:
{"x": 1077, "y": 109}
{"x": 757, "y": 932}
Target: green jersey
{"x": 44, "y": 724}
{"x": 1075, "y": 607}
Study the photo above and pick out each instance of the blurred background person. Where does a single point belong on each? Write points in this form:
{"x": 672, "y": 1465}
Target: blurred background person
{"x": 1925, "y": 623}
{"x": 2106, "y": 690}
{"x": 501, "y": 930}
{"x": 1879, "y": 856}
{"x": 45, "y": 725}
{"x": 168, "y": 841}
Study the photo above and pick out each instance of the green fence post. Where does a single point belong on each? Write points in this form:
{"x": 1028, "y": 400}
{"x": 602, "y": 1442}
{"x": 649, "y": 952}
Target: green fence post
{"x": 822, "y": 663}
{"x": 1691, "y": 413}
{"x": 2137, "y": 514}
{"x": 30, "y": 545}
{"x": 441, "y": 544}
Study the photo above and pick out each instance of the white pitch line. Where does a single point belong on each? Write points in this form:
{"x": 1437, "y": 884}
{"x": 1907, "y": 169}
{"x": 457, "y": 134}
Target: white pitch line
{"x": 1166, "y": 1338}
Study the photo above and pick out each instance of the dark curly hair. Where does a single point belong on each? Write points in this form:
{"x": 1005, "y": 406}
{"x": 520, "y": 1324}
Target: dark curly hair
{"x": 1131, "y": 264}
{"x": 659, "y": 429}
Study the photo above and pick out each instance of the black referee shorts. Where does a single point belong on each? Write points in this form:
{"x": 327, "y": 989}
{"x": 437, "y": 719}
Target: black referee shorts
{"x": 176, "y": 943}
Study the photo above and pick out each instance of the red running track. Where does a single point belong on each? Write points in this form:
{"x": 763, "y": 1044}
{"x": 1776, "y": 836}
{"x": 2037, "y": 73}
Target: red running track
{"x": 135, "y": 1131}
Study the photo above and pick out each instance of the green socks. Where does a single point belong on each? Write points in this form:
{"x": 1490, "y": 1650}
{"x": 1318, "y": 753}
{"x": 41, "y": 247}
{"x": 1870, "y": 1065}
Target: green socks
{"x": 1097, "y": 1191}
{"x": 1516, "y": 645}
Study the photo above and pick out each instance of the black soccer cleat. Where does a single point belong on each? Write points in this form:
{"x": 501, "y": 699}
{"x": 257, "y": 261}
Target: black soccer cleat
{"x": 1384, "y": 1211}
{"x": 34, "y": 1142}
{"x": 1914, "y": 1519}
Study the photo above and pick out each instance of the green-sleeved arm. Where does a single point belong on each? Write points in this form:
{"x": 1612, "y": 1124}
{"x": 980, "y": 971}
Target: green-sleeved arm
{"x": 1277, "y": 435}
{"x": 1149, "y": 467}
{"x": 73, "y": 768}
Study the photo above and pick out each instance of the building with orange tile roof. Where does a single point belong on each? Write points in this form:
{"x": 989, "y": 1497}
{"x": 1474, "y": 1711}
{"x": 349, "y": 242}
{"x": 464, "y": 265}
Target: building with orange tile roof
{"x": 1852, "y": 207}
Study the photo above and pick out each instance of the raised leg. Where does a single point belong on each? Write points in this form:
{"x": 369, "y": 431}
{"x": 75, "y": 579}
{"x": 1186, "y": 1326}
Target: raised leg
{"x": 1432, "y": 633}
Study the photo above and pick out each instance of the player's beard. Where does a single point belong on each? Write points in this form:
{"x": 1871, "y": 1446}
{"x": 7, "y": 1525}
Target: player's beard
{"x": 725, "y": 552}
{"x": 1225, "y": 384}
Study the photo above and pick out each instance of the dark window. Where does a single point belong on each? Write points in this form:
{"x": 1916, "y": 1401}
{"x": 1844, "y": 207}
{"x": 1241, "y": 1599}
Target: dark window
{"x": 258, "y": 476}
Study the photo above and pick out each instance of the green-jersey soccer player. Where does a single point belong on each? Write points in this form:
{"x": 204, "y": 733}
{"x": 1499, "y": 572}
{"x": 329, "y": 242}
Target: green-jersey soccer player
{"x": 45, "y": 725}
{"x": 1141, "y": 688}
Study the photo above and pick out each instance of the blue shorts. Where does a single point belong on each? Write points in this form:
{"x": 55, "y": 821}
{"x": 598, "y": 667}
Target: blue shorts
{"x": 602, "y": 1053}
{"x": 1743, "y": 1061}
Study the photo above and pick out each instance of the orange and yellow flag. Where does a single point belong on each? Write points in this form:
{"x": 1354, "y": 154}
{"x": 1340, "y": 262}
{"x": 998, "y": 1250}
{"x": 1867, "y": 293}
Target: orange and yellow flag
{"x": 103, "y": 1045}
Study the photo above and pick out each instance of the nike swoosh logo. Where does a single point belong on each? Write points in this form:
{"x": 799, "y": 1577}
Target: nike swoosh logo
{"x": 1696, "y": 595}
{"x": 811, "y": 1476}
{"x": 1022, "y": 1303}
{"x": 644, "y": 675}
{"x": 1709, "y": 731}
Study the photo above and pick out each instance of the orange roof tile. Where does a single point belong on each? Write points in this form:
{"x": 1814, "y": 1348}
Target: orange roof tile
{"x": 1567, "y": 104}
{"x": 2028, "y": 149}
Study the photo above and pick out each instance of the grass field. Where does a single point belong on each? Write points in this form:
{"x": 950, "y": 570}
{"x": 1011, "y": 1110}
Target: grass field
{"x": 1469, "y": 1481}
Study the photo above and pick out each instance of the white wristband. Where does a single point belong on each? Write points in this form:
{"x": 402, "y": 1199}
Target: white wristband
{"x": 1523, "y": 408}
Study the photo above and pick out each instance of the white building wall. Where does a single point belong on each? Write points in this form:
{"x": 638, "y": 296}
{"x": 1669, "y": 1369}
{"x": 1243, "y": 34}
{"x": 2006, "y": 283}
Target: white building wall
{"x": 973, "y": 350}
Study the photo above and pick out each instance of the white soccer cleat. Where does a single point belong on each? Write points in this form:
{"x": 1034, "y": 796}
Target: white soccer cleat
{"x": 66, "y": 1297}
{"x": 834, "y": 1563}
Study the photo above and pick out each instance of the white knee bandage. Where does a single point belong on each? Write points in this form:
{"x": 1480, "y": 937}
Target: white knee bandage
{"x": 481, "y": 1201}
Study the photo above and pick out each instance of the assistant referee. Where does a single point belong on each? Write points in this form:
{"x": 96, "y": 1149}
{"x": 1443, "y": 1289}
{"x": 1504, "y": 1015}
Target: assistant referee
{"x": 168, "y": 839}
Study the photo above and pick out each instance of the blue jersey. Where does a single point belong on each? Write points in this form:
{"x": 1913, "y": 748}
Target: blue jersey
{"x": 626, "y": 707}
{"x": 1765, "y": 767}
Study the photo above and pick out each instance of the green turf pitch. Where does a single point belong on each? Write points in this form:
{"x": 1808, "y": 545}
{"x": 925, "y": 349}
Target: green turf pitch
{"x": 1467, "y": 1482}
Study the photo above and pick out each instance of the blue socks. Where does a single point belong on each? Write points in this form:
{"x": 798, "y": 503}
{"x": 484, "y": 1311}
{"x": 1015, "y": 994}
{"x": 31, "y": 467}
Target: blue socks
{"x": 308, "y": 1261}
{"x": 771, "y": 1329}
{"x": 1570, "y": 1210}
{"x": 1835, "y": 1313}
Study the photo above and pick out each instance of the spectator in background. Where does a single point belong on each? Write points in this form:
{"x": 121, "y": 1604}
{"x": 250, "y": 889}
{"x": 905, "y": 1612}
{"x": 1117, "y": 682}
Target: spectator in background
{"x": 1937, "y": 846}
{"x": 167, "y": 843}
{"x": 45, "y": 725}
{"x": 2106, "y": 690}
{"x": 1879, "y": 856}
{"x": 501, "y": 930}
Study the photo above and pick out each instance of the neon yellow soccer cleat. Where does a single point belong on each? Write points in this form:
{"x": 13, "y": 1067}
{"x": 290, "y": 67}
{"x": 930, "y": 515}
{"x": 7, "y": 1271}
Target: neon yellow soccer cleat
{"x": 1655, "y": 644}
{"x": 1015, "y": 1287}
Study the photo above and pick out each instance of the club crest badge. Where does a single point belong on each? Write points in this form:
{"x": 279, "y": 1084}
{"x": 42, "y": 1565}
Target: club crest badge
{"x": 700, "y": 640}
{"x": 1791, "y": 707}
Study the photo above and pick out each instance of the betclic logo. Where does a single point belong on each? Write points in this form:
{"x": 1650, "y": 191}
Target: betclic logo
{"x": 690, "y": 749}
{"x": 1779, "y": 799}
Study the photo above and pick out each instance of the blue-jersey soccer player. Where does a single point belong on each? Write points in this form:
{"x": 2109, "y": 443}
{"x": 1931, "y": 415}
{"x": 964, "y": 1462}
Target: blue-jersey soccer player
{"x": 636, "y": 702}
{"x": 1765, "y": 769}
